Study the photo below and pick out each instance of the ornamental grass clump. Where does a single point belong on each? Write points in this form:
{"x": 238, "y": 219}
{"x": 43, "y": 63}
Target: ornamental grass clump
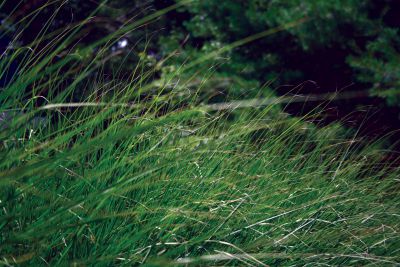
{"x": 136, "y": 171}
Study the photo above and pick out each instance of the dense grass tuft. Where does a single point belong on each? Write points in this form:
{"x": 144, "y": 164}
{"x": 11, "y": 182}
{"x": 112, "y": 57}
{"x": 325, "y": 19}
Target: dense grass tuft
{"x": 136, "y": 173}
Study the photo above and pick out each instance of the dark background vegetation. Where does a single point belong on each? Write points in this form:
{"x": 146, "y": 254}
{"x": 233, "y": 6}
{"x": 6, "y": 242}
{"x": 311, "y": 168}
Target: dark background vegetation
{"x": 340, "y": 46}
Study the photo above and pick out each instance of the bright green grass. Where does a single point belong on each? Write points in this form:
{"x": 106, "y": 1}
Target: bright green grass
{"x": 161, "y": 184}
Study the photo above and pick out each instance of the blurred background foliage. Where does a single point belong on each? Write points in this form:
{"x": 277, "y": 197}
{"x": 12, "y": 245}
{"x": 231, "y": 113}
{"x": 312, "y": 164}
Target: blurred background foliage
{"x": 351, "y": 44}
{"x": 342, "y": 42}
